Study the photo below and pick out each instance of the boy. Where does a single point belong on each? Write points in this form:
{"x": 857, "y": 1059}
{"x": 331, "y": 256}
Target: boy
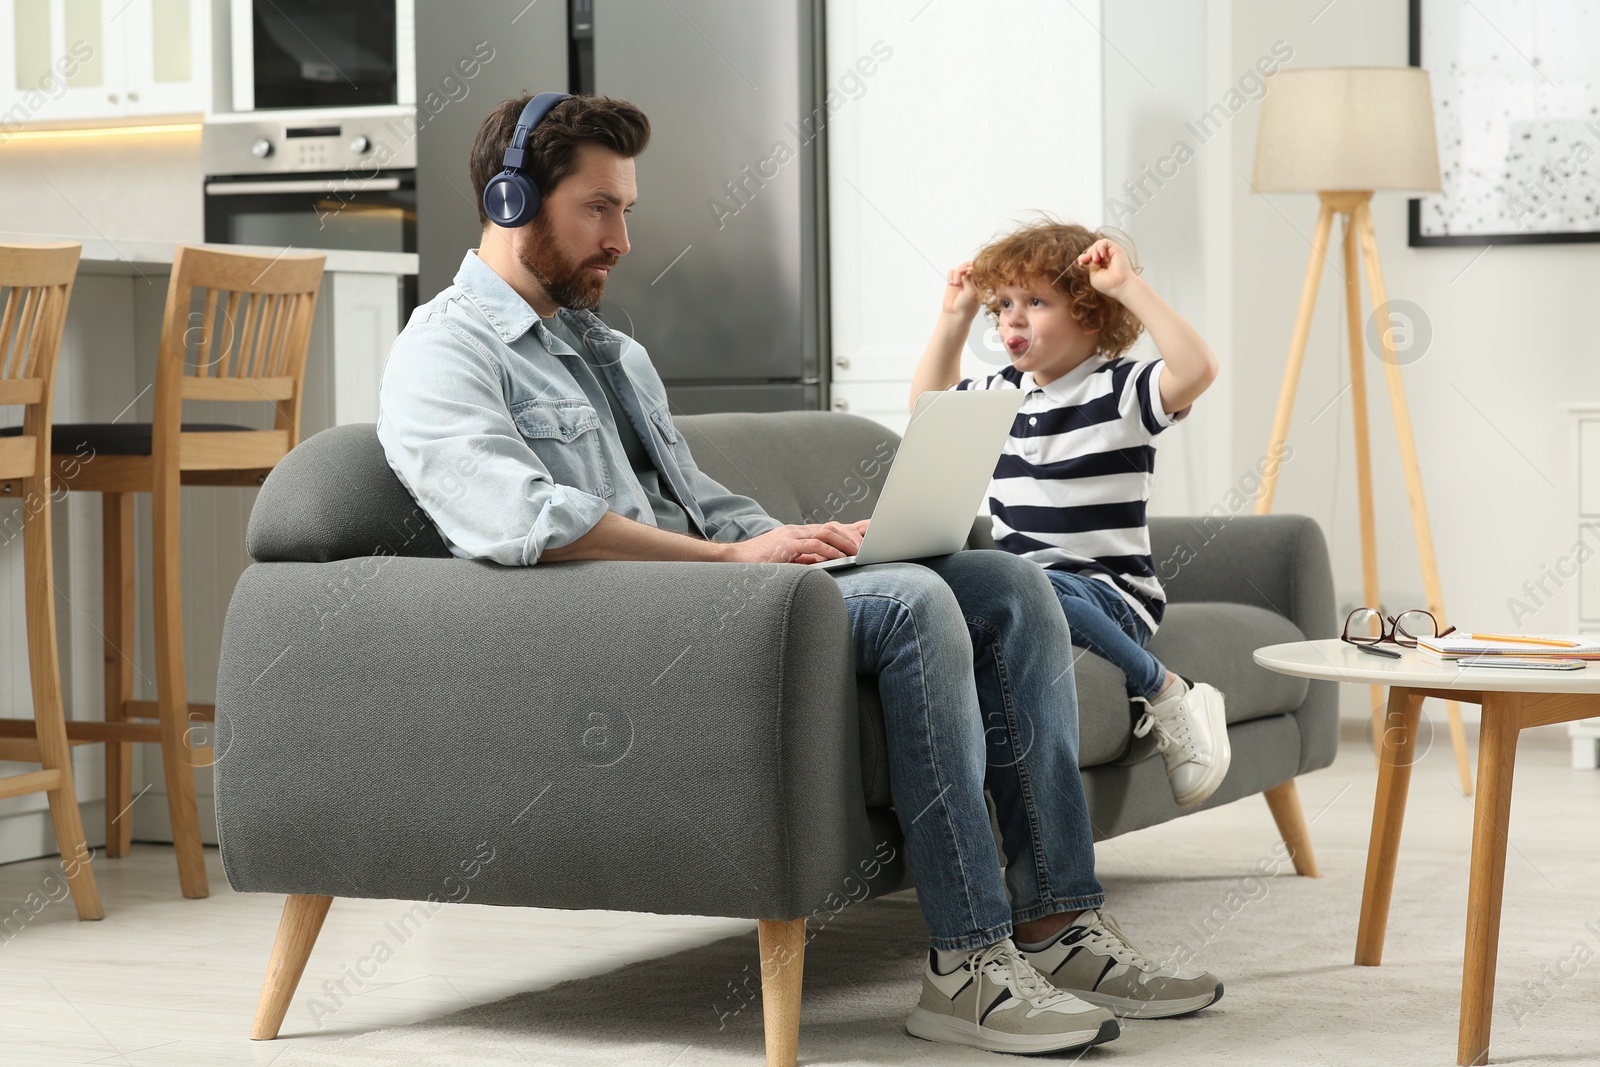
{"x": 1071, "y": 486}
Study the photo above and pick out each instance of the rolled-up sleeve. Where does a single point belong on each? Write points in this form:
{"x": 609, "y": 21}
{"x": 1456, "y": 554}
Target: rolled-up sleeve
{"x": 729, "y": 516}
{"x": 449, "y": 436}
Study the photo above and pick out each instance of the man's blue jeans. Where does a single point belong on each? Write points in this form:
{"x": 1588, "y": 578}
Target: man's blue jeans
{"x": 974, "y": 667}
{"x": 1102, "y": 622}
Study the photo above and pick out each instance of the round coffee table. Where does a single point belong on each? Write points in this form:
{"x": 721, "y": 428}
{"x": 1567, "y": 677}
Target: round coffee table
{"x": 1511, "y": 699}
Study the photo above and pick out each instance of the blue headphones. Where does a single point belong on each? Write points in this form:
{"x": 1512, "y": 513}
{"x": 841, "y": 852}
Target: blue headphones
{"x": 511, "y": 198}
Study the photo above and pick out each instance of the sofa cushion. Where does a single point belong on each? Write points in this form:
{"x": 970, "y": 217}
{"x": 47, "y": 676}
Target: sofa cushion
{"x": 1215, "y": 642}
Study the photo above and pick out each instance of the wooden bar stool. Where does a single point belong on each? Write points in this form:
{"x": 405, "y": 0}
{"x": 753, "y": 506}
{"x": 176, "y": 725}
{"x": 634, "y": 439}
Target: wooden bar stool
{"x": 237, "y": 328}
{"x": 35, "y": 285}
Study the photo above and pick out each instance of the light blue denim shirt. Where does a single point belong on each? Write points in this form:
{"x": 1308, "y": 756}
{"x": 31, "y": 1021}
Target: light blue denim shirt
{"x": 503, "y": 434}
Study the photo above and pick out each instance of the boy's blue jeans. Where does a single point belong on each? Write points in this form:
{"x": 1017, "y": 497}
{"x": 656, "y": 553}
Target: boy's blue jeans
{"x": 974, "y": 667}
{"x": 1102, "y": 622}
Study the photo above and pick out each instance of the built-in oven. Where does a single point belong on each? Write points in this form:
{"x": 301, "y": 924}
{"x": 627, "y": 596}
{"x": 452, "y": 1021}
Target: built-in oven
{"x": 313, "y": 181}
{"x": 323, "y": 53}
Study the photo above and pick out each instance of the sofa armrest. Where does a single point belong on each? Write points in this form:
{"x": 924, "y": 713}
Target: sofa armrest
{"x": 666, "y": 737}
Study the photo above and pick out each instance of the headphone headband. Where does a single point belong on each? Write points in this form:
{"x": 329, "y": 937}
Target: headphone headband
{"x": 511, "y": 198}
{"x": 536, "y": 110}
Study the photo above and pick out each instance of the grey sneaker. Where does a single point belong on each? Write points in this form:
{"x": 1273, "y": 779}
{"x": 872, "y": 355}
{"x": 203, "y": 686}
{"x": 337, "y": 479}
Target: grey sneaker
{"x": 996, "y": 1001}
{"x": 1191, "y": 729}
{"x": 1094, "y": 961}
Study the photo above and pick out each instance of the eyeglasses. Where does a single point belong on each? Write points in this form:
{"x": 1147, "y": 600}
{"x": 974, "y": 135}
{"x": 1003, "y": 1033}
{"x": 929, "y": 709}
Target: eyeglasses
{"x": 1368, "y": 626}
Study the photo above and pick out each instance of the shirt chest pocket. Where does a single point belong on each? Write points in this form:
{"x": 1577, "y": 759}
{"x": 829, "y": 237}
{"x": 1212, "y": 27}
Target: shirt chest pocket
{"x": 565, "y": 435}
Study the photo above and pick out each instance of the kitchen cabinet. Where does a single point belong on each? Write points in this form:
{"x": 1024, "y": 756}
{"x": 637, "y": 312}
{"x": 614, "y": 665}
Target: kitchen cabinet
{"x": 166, "y": 57}
{"x": 66, "y": 61}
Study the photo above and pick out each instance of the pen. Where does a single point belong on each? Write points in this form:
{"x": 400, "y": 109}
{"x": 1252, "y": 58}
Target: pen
{"x": 1385, "y": 653}
{"x": 1514, "y": 639}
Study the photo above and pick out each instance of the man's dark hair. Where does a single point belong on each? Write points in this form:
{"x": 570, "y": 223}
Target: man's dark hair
{"x": 553, "y": 152}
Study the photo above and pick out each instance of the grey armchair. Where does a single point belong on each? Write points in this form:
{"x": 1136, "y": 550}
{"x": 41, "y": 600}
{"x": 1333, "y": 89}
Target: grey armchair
{"x": 665, "y": 737}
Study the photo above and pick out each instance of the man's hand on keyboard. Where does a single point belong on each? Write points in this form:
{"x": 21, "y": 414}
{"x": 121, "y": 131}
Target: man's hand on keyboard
{"x": 805, "y": 543}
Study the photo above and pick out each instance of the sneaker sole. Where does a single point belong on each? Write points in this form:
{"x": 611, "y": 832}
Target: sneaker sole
{"x": 1217, "y": 719}
{"x": 1149, "y": 1009}
{"x": 931, "y": 1026}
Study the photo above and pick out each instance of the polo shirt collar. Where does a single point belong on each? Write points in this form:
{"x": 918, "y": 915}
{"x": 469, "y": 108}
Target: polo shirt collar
{"x": 1069, "y": 383}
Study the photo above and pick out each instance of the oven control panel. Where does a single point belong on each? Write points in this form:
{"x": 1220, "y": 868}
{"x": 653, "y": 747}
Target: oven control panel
{"x": 253, "y": 144}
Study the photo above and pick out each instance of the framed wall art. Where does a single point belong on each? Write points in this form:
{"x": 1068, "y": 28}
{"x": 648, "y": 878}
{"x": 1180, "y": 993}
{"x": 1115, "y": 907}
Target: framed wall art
{"x": 1516, "y": 90}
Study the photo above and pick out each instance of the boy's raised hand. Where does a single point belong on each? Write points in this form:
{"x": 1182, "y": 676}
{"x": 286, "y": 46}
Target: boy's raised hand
{"x": 1109, "y": 269}
{"x": 960, "y": 293}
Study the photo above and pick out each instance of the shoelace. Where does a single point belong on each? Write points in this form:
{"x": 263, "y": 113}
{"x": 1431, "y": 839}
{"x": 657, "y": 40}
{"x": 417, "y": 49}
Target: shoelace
{"x": 1167, "y": 735}
{"x": 1105, "y": 932}
{"x": 1017, "y": 973}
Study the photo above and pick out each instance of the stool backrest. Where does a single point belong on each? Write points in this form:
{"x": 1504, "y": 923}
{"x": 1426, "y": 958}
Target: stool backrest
{"x": 35, "y": 285}
{"x": 237, "y": 328}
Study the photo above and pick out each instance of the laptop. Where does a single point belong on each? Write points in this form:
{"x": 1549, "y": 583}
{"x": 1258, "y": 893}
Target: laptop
{"x": 934, "y": 489}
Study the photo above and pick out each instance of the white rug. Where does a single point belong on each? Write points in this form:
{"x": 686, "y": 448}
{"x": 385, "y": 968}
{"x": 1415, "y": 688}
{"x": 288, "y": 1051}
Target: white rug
{"x": 1283, "y": 945}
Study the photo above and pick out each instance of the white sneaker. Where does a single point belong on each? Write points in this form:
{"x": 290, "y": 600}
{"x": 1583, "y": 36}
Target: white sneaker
{"x": 1191, "y": 729}
{"x": 995, "y": 1000}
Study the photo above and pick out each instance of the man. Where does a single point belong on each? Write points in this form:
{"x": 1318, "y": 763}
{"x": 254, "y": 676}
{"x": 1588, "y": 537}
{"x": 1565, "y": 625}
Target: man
{"x": 532, "y": 433}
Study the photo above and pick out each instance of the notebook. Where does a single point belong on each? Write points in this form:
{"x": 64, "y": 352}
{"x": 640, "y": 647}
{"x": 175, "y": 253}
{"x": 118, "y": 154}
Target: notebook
{"x": 1460, "y": 644}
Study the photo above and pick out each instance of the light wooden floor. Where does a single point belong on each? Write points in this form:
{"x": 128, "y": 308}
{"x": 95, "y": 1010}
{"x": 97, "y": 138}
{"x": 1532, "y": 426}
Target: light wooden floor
{"x": 168, "y": 981}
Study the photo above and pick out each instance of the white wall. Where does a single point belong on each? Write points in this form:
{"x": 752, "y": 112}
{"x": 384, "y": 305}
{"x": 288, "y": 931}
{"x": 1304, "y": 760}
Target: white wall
{"x": 1155, "y": 82}
{"x": 971, "y": 123}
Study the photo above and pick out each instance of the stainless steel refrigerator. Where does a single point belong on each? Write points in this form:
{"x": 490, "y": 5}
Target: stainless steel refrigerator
{"x": 726, "y": 281}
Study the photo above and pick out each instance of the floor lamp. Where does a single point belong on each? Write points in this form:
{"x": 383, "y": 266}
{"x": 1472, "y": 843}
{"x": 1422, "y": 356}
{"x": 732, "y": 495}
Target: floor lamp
{"x": 1344, "y": 133}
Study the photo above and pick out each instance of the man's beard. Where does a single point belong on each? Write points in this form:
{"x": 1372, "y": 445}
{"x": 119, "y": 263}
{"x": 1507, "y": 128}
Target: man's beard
{"x": 568, "y": 283}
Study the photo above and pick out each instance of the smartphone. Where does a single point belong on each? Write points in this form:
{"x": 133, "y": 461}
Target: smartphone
{"x": 1511, "y": 663}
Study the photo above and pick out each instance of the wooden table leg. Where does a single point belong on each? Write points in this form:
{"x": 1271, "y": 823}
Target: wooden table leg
{"x": 1396, "y": 748}
{"x": 1497, "y": 756}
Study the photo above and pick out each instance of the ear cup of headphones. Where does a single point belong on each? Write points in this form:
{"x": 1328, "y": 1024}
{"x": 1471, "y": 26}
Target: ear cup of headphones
{"x": 510, "y": 199}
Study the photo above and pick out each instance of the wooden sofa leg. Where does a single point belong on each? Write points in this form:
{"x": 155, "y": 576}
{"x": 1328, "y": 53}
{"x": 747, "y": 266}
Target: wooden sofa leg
{"x": 297, "y": 933}
{"x": 783, "y": 947}
{"x": 1284, "y": 800}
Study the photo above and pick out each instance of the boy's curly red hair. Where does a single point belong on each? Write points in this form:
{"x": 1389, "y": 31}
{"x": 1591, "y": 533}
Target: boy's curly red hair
{"x": 1049, "y": 250}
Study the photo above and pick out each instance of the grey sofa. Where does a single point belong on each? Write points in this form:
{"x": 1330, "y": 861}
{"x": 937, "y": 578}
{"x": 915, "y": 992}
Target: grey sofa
{"x": 666, "y": 737}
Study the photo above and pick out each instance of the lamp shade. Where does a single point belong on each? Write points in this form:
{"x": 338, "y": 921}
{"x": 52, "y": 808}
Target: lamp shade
{"x": 1326, "y": 129}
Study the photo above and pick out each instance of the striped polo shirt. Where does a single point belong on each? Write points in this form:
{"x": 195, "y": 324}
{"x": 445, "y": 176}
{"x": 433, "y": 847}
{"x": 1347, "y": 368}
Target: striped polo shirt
{"x": 1073, "y": 479}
